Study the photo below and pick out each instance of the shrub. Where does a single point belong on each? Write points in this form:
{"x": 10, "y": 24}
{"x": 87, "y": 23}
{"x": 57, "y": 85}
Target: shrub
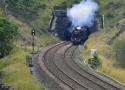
{"x": 8, "y": 32}
{"x": 94, "y": 62}
{"x": 110, "y": 15}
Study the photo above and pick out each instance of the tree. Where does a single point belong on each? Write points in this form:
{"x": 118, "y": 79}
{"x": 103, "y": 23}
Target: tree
{"x": 25, "y": 10}
{"x": 8, "y": 31}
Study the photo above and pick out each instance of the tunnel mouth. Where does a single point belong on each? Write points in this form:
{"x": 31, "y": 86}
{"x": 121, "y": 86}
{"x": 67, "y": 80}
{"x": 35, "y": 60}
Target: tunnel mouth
{"x": 78, "y": 38}
{"x": 67, "y": 35}
{"x": 61, "y": 26}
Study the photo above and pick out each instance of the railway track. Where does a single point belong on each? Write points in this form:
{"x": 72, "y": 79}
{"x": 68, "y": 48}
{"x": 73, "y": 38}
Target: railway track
{"x": 59, "y": 61}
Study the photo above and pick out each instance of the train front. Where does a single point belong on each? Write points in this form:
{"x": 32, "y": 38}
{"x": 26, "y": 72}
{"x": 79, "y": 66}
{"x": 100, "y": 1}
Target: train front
{"x": 75, "y": 36}
{"x": 79, "y": 35}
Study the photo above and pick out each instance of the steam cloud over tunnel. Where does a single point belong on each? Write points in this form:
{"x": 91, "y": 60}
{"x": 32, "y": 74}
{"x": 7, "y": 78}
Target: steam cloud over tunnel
{"x": 83, "y": 14}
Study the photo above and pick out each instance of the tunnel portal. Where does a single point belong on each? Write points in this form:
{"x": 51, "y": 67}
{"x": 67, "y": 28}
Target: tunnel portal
{"x": 61, "y": 26}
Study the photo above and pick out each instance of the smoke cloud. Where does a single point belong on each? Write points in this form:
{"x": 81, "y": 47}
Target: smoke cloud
{"x": 83, "y": 14}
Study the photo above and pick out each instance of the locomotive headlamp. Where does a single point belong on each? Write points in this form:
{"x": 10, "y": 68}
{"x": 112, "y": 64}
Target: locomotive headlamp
{"x": 78, "y": 28}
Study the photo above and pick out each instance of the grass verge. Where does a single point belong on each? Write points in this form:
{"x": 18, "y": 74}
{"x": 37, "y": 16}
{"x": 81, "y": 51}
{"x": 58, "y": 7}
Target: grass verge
{"x": 16, "y": 72}
{"x": 106, "y": 54}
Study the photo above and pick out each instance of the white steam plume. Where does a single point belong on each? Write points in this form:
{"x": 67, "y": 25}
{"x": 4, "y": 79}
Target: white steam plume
{"x": 83, "y": 14}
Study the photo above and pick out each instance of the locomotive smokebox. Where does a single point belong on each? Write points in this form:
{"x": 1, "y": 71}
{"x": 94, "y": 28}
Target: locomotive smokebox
{"x": 79, "y": 35}
{"x": 78, "y": 28}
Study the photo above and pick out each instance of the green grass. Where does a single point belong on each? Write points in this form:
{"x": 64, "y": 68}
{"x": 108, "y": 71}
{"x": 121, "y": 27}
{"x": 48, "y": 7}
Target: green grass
{"x": 106, "y": 54}
{"x": 113, "y": 13}
{"x": 17, "y": 73}
{"x": 42, "y": 37}
{"x": 98, "y": 41}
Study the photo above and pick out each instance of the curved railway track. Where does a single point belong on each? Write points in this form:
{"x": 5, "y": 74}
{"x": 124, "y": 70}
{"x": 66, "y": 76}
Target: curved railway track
{"x": 59, "y": 60}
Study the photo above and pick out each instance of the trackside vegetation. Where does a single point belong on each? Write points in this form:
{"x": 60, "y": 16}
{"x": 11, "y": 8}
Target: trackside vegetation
{"x": 16, "y": 39}
{"x": 26, "y": 14}
{"x": 8, "y": 32}
{"x": 111, "y": 56}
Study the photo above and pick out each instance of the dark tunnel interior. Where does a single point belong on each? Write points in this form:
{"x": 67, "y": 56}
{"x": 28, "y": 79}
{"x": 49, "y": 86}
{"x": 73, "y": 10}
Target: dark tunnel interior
{"x": 63, "y": 26}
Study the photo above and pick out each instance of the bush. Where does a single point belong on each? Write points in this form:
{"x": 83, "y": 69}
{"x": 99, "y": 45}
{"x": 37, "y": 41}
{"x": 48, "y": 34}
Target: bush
{"x": 110, "y": 15}
{"x": 8, "y": 32}
{"x": 94, "y": 62}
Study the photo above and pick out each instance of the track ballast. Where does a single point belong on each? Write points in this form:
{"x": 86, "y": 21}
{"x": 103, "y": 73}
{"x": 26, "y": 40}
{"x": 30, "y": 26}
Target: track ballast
{"x": 59, "y": 61}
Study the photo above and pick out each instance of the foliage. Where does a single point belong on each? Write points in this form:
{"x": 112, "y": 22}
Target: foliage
{"x": 17, "y": 74}
{"x": 14, "y": 75}
{"x": 110, "y": 63}
{"x": 8, "y": 32}
{"x": 120, "y": 52}
{"x": 110, "y": 15}
{"x": 113, "y": 10}
{"x": 96, "y": 59}
{"x": 25, "y": 9}
{"x": 35, "y": 12}
{"x": 94, "y": 62}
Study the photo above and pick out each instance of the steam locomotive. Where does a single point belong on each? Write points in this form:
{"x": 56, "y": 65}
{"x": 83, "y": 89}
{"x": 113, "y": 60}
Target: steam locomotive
{"x": 79, "y": 35}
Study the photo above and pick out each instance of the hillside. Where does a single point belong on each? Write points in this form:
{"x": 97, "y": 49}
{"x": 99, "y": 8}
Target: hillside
{"x": 111, "y": 56}
{"x": 26, "y": 15}
{"x": 36, "y": 14}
